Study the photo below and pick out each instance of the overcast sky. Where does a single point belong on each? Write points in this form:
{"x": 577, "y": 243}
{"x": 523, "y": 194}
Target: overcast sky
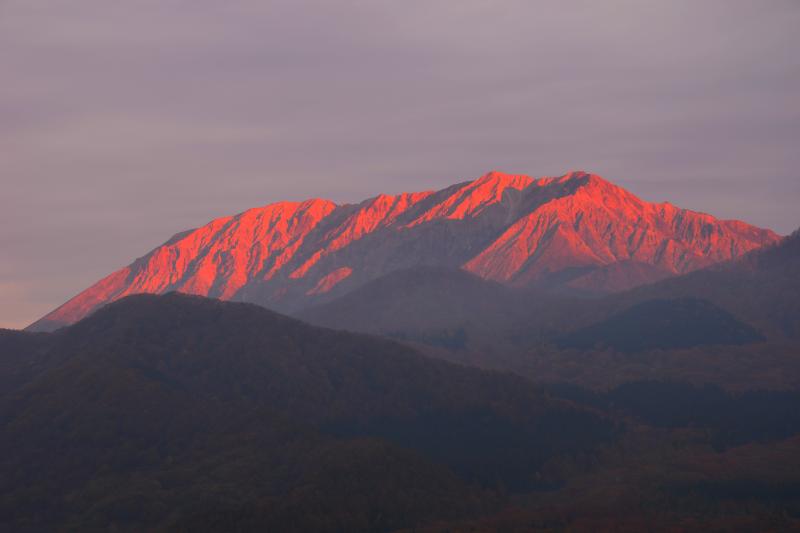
{"x": 123, "y": 122}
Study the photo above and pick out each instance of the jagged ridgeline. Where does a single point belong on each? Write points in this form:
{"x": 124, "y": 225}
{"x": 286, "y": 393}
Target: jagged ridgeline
{"x": 576, "y": 232}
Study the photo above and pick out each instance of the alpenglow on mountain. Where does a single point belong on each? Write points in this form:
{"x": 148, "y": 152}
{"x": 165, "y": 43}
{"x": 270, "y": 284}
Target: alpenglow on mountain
{"x": 577, "y": 231}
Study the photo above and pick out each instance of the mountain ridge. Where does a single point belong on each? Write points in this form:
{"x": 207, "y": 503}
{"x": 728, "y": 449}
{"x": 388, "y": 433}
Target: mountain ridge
{"x": 578, "y": 231}
{"x": 182, "y": 413}
{"x": 460, "y": 317}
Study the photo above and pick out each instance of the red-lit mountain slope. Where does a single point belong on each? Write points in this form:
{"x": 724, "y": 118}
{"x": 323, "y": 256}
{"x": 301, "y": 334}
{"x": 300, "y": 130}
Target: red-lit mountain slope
{"x": 576, "y": 231}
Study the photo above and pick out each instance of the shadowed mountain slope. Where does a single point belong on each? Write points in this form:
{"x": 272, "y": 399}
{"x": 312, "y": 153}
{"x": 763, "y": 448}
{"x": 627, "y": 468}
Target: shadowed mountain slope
{"x": 424, "y": 298}
{"x": 487, "y": 325}
{"x": 449, "y": 313}
{"x": 663, "y": 324}
{"x": 762, "y": 288}
{"x": 577, "y": 231}
{"x": 182, "y": 412}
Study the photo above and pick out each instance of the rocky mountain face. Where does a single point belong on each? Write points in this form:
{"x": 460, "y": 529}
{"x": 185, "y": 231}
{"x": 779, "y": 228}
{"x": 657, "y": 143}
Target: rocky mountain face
{"x": 577, "y": 231}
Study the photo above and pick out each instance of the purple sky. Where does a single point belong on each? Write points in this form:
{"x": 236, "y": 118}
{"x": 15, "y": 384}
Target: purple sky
{"x": 122, "y": 123}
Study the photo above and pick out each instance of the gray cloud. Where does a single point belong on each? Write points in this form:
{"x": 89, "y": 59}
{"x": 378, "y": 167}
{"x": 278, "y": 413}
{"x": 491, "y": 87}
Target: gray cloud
{"x": 124, "y": 122}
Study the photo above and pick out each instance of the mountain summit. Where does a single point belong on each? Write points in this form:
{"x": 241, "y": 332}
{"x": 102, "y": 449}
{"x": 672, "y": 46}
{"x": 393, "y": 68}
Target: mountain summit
{"x": 576, "y": 231}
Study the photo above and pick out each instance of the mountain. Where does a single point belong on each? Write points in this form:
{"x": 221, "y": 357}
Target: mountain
{"x": 577, "y": 231}
{"x": 663, "y": 324}
{"x": 181, "y": 413}
{"x": 448, "y": 313}
{"x": 762, "y": 288}
{"x": 688, "y": 327}
{"x": 185, "y": 413}
{"x": 424, "y": 298}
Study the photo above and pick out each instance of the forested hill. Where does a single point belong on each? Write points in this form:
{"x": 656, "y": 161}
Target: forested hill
{"x": 179, "y": 411}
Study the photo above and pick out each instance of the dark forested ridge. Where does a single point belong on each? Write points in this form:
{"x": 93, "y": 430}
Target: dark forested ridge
{"x": 433, "y": 306}
{"x": 664, "y": 324}
{"x": 732, "y": 418}
{"x": 182, "y": 412}
{"x": 424, "y": 299}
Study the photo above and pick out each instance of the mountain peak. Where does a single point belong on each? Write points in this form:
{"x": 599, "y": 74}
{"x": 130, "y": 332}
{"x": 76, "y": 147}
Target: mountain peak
{"x": 580, "y": 175}
{"x": 473, "y": 197}
{"x": 577, "y": 230}
{"x": 503, "y": 180}
{"x": 592, "y": 181}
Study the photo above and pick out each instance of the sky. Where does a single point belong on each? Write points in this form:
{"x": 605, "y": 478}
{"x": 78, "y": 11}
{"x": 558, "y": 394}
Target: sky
{"x": 124, "y": 122}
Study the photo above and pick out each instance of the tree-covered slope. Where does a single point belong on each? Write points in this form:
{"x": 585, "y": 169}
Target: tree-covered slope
{"x": 179, "y": 411}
